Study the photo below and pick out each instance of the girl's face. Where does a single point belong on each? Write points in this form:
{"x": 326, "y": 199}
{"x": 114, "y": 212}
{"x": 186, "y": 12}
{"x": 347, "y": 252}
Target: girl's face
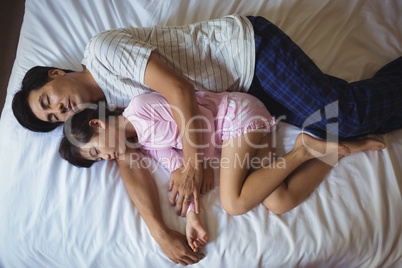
{"x": 108, "y": 144}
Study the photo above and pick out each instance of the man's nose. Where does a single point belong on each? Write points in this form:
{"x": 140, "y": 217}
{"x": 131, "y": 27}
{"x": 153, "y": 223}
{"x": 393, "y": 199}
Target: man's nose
{"x": 60, "y": 108}
{"x": 60, "y": 111}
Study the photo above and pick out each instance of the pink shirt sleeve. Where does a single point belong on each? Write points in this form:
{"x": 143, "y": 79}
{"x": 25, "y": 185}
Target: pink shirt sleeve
{"x": 153, "y": 120}
{"x": 168, "y": 158}
{"x": 156, "y": 127}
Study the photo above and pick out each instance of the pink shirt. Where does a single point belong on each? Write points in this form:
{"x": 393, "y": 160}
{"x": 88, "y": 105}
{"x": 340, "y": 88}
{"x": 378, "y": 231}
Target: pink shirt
{"x": 225, "y": 115}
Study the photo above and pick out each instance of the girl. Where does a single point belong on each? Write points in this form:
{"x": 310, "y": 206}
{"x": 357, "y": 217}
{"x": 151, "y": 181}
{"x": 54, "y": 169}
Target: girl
{"x": 236, "y": 124}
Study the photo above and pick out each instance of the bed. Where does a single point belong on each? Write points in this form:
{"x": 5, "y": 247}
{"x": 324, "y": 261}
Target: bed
{"x": 55, "y": 215}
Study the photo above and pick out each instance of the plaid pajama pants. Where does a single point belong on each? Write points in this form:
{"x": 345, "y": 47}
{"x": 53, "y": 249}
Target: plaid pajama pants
{"x": 295, "y": 90}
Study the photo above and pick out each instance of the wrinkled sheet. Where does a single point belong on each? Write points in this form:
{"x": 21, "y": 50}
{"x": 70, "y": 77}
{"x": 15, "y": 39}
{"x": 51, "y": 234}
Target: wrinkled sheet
{"x": 55, "y": 215}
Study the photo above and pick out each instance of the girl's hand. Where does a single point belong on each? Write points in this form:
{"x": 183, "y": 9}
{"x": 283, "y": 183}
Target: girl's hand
{"x": 208, "y": 181}
{"x": 196, "y": 234}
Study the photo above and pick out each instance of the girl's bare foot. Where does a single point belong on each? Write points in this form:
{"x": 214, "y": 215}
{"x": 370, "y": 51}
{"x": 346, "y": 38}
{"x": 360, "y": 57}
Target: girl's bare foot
{"x": 368, "y": 144}
{"x": 196, "y": 234}
{"x": 315, "y": 148}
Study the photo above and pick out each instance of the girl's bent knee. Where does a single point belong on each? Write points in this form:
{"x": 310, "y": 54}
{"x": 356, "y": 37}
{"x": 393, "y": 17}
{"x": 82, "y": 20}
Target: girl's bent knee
{"x": 234, "y": 208}
{"x": 277, "y": 207}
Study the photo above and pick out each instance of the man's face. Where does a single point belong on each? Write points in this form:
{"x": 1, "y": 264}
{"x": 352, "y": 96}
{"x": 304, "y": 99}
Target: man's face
{"x": 56, "y": 100}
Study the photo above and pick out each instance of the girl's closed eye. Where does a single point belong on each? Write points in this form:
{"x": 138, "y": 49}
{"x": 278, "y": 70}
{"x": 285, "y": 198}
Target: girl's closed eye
{"x": 96, "y": 154}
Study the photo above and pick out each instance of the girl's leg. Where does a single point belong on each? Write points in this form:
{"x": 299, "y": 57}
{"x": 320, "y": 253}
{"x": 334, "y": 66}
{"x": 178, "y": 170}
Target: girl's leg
{"x": 238, "y": 194}
{"x": 308, "y": 176}
{"x": 299, "y": 184}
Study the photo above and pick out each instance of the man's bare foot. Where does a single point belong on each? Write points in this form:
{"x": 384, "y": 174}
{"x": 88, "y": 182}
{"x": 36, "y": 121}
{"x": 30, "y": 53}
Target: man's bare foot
{"x": 196, "y": 234}
{"x": 368, "y": 144}
{"x": 315, "y": 148}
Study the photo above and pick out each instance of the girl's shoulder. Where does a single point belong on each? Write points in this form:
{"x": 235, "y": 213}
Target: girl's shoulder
{"x": 152, "y": 96}
{"x": 145, "y": 104}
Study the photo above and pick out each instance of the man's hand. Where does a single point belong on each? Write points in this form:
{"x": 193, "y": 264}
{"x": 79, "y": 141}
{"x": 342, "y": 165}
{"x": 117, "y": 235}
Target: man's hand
{"x": 174, "y": 245}
{"x": 185, "y": 182}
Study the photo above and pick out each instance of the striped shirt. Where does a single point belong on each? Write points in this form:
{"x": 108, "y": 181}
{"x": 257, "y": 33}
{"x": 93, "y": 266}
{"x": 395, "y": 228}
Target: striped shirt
{"x": 215, "y": 55}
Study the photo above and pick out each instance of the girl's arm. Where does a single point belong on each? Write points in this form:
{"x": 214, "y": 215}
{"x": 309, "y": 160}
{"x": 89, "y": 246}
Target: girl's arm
{"x": 181, "y": 94}
{"x": 142, "y": 191}
{"x": 196, "y": 233}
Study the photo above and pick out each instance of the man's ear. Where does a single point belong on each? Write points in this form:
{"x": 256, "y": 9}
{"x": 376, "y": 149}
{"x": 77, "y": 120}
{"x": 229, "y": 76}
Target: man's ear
{"x": 55, "y": 72}
{"x": 97, "y": 123}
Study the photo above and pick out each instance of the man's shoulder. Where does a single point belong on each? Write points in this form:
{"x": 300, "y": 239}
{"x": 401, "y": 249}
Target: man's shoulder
{"x": 104, "y": 40}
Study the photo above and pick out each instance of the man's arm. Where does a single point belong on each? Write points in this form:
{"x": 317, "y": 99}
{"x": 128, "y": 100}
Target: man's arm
{"x": 142, "y": 191}
{"x": 180, "y": 94}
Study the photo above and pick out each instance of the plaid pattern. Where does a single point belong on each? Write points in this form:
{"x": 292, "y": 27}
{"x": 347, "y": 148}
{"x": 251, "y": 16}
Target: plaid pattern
{"x": 293, "y": 88}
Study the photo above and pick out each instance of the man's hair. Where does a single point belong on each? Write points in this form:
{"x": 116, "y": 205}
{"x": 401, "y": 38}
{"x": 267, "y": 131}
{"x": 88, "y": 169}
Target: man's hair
{"x": 78, "y": 132}
{"x": 34, "y": 79}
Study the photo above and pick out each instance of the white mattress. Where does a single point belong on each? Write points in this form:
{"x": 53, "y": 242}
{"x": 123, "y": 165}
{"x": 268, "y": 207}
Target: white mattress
{"x": 55, "y": 215}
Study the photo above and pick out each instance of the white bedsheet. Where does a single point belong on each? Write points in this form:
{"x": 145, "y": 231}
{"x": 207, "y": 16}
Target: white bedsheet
{"x": 55, "y": 215}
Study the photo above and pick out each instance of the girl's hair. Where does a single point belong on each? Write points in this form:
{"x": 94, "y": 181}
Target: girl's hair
{"x": 77, "y": 132}
{"x": 34, "y": 79}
